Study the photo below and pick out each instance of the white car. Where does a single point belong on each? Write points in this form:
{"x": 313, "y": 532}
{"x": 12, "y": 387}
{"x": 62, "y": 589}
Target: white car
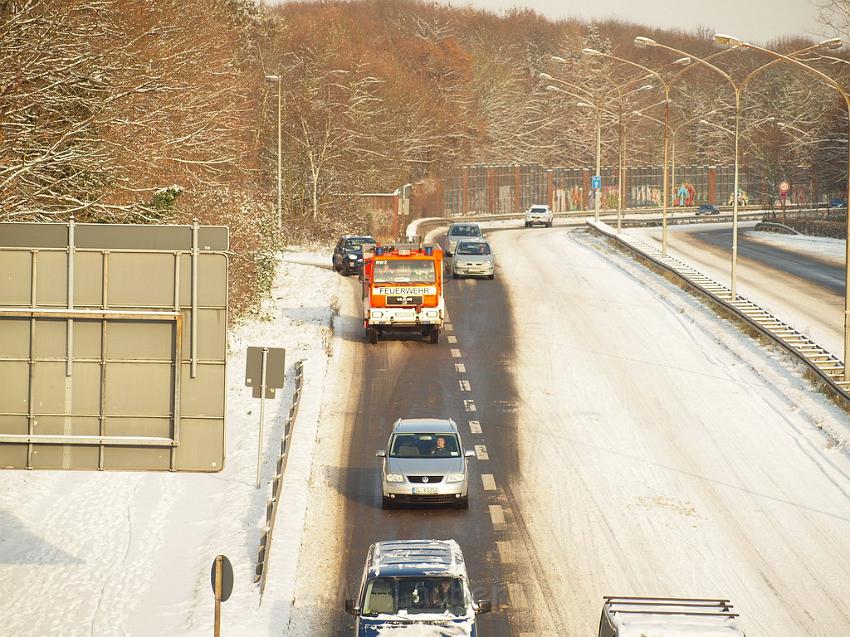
{"x": 539, "y": 214}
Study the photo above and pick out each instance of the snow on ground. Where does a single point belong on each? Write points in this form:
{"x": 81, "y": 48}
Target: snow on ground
{"x": 825, "y": 248}
{"x": 130, "y": 553}
{"x": 663, "y": 452}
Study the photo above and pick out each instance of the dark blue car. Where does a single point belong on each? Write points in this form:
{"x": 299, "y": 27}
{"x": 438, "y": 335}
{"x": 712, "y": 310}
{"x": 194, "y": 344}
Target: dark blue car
{"x": 418, "y": 584}
{"x": 707, "y": 209}
{"x": 348, "y": 253}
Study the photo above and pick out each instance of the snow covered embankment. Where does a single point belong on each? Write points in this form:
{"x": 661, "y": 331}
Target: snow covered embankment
{"x": 129, "y": 553}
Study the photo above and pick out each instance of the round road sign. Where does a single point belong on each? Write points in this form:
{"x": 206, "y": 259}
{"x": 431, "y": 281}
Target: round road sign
{"x": 784, "y": 186}
{"x": 226, "y": 577}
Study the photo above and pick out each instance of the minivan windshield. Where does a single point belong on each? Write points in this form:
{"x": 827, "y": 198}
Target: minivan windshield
{"x": 465, "y": 231}
{"x": 404, "y": 271}
{"x": 469, "y": 247}
{"x": 415, "y": 595}
{"x": 424, "y": 446}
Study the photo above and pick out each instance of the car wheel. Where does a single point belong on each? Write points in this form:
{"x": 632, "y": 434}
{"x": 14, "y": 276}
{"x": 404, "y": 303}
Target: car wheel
{"x": 455, "y": 275}
{"x": 491, "y": 276}
{"x": 387, "y": 503}
{"x": 549, "y": 225}
{"x": 463, "y": 503}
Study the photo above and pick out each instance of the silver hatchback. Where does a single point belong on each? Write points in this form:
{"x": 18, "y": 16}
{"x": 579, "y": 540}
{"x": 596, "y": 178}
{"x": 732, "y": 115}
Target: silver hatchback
{"x": 424, "y": 463}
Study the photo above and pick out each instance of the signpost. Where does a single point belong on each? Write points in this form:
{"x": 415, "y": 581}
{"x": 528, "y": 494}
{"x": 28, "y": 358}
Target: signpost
{"x": 596, "y": 182}
{"x": 221, "y": 578}
{"x": 784, "y": 187}
{"x": 264, "y": 371}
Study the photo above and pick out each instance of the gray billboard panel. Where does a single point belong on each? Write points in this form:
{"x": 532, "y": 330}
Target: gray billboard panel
{"x": 112, "y": 347}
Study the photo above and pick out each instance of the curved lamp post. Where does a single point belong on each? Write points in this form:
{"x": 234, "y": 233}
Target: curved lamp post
{"x": 726, "y": 40}
{"x": 738, "y": 88}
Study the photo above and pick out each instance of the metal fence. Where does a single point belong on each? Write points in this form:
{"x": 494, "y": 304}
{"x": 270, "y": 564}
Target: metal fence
{"x": 513, "y": 187}
{"x": 277, "y": 482}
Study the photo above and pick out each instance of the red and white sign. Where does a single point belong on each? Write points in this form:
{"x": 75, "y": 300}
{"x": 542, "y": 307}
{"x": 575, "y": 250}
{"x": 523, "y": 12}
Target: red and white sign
{"x": 784, "y": 187}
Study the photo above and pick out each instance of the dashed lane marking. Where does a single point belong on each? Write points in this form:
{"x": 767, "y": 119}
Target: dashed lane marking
{"x": 452, "y": 339}
{"x": 481, "y": 452}
{"x": 506, "y": 551}
{"x": 488, "y": 481}
{"x": 517, "y": 596}
{"x": 460, "y": 368}
{"x": 464, "y": 385}
{"x": 474, "y": 427}
{"x": 497, "y": 514}
{"x": 469, "y": 405}
{"x": 448, "y": 327}
{"x": 455, "y": 353}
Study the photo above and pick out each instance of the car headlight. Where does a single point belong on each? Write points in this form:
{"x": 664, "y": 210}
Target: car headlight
{"x": 352, "y": 256}
{"x": 394, "y": 477}
{"x": 488, "y": 263}
{"x": 455, "y": 477}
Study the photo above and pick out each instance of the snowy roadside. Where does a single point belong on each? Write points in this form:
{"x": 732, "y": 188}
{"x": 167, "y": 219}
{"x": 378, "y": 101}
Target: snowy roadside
{"x": 129, "y": 553}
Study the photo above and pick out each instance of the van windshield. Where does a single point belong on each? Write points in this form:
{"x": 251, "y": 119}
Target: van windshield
{"x": 424, "y": 446}
{"x": 415, "y": 595}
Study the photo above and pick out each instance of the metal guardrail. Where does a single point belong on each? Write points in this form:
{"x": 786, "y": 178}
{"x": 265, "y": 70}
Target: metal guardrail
{"x": 825, "y": 365}
{"x": 277, "y": 483}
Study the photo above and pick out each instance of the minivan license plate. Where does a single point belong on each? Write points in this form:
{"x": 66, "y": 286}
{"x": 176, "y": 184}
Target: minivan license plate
{"x": 424, "y": 490}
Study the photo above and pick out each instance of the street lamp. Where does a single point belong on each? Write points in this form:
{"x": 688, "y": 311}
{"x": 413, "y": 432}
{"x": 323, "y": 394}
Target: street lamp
{"x": 587, "y": 52}
{"x": 834, "y": 43}
{"x": 738, "y": 87}
{"x": 279, "y": 80}
{"x": 596, "y": 198}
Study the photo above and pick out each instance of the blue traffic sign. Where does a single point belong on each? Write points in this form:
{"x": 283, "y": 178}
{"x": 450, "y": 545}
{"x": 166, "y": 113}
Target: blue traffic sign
{"x": 596, "y": 182}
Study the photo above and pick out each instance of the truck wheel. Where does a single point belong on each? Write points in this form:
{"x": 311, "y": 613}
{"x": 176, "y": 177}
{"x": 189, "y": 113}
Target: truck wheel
{"x": 435, "y": 336}
{"x": 372, "y": 333}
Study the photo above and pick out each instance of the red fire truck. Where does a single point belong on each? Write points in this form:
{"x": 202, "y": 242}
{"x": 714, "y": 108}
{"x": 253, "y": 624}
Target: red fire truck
{"x": 403, "y": 290}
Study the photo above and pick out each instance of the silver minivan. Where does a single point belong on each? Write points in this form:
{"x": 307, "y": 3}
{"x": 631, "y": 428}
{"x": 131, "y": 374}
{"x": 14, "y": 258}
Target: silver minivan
{"x": 424, "y": 463}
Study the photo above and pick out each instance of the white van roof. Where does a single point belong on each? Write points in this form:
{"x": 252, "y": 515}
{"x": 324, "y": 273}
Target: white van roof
{"x": 672, "y": 617}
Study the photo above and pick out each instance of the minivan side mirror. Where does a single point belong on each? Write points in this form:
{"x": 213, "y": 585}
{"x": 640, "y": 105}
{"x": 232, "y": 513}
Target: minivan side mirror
{"x": 381, "y": 454}
{"x": 350, "y": 608}
{"x": 484, "y": 606}
{"x": 469, "y": 453}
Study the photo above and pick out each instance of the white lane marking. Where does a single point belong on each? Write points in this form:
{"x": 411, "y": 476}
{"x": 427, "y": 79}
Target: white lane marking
{"x": 481, "y": 452}
{"x": 448, "y": 327}
{"x": 506, "y": 551}
{"x": 469, "y": 405}
{"x": 474, "y": 427}
{"x": 455, "y": 353}
{"x": 460, "y": 368}
{"x": 497, "y": 514}
{"x": 517, "y": 596}
{"x": 488, "y": 481}
{"x": 452, "y": 339}
{"x": 464, "y": 385}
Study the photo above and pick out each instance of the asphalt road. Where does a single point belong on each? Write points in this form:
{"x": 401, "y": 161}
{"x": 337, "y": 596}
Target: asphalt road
{"x": 403, "y": 376}
{"x": 813, "y": 270}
